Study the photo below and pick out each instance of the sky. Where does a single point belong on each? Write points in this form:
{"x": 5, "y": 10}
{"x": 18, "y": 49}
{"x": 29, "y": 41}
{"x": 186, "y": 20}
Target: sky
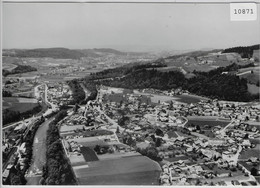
{"x": 125, "y": 26}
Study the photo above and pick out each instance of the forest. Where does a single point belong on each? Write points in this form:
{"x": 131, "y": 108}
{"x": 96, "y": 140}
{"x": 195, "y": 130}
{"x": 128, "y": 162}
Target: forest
{"x": 19, "y": 69}
{"x": 213, "y": 84}
{"x": 244, "y": 51}
{"x": 10, "y": 116}
{"x": 78, "y": 93}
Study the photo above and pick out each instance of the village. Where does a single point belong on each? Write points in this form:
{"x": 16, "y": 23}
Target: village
{"x": 207, "y": 142}
{"x": 123, "y": 123}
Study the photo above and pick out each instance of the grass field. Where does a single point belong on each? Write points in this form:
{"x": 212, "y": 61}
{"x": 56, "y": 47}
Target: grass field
{"x": 253, "y": 89}
{"x": 189, "y": 98}
{"x": 134, "y": 178}
{"x": 251, "y": 78}
{"x": 246, "y": 154}
{"x": 90, "y": 142}
{"x": 211, "y": 123}
{"x": 93, "y": 133}
{"x": 161, "y": 98}
{"x": 172, "y": 134}
{"x": 135, "y": 170}
{"x": 19, "y": 104}
{"x": 88, "y": 154}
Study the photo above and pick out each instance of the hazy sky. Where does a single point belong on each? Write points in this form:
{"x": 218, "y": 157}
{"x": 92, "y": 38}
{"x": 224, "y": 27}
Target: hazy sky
{"x": 133, "y": 27}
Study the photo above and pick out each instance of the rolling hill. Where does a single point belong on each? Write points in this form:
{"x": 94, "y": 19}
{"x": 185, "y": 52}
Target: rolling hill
{"x": 61, "y": 53}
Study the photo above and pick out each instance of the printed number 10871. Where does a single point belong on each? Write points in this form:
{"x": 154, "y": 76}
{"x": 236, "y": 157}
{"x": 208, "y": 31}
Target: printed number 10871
{"x": 243, "y": 11}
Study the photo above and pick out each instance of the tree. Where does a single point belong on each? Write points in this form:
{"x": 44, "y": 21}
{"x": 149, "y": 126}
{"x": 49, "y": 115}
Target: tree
{"x": 97, "y": 149}
{"x": 117, "y": 130}
{"x": 159, "y": 132}
{"x": 171, "y": 105}
{"x": 158, "y": 142}
{"x": 15, "y": 179}
{"x": 198, "y": 128}
{"x": 254, "y": 171}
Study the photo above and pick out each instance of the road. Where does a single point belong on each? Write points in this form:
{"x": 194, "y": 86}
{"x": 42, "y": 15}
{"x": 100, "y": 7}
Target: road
{"x": 39, "y": 154}
{"x": 222, "y": 131}
{"x": 247, "y": 72}
{"x": 113, "y": 122}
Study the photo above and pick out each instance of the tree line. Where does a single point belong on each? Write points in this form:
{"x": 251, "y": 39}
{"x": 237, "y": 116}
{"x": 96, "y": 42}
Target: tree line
{"x": 212, "y": 84}
{"x": 244, "y": 51}
{"x": 19, "y": 69}
{"x": 57, "y": 170}
{"x": 10, "y": 116}
{"x": 78, "y": 93}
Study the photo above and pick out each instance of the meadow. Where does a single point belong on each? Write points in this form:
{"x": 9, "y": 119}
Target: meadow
{"x": 210, "y": 123}
{"x": 19, "y": 104}
{"x": 134, "y": 170}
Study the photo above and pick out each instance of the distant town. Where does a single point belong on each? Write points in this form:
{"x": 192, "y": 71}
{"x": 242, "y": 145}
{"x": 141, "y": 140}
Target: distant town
{"x": 105, "y": 117}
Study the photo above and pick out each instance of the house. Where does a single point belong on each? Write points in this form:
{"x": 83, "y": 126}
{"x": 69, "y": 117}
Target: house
{"x": 246, "y": 143}
{"x": 227, "y": 156}
{"x": 22, "y": 148}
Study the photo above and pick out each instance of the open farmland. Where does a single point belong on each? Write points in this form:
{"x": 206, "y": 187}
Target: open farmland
{"x": 88, "y": 154}
{"x": 189, "y": 98}
{"x": 89, "y": 141}
{"x": 250, "y": 73}
{"x": 134, "y": 178}
{"x": 250, "y": 153}
{"x": 253, "y": 89}
{"x": 135, "y": 170}
{"x": 19, "y": 104}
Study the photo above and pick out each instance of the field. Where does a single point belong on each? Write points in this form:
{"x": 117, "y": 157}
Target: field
{"x": 19, "y": 104}
{"x": 210, "y": 123}
{"x": 90, "y": 142}
{"x": 135, "y": 178}
{"x": 249, "y": 167}
{"x": 172, "y": 134}
{"x": 246, "y": 154}
{"x": 251, "y": 77}
{"x": 189, "y": 98}
{"x": 93, "y": 133}
{"x": 118, "y": 97}
{"x": 88, "y": 154}
{"x": 155, "y": 98}
{"x": 161, "y": 98}
{"x": 253, "y": 89}
{"x": 135, "y": 170}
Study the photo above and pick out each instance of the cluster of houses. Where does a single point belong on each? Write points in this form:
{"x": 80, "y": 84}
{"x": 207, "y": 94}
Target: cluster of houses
{"x": 66, "y": 70}
{"x": 59, "y": 94}
{"x": 180, "y": 173}
{"x": 72, "y": 147}
{"x": 206, "y": 172}
{"x": 223, "y": 150}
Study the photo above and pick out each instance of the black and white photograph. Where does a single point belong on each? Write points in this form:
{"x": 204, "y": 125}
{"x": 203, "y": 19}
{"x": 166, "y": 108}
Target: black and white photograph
{"x": 130, "y": 93}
